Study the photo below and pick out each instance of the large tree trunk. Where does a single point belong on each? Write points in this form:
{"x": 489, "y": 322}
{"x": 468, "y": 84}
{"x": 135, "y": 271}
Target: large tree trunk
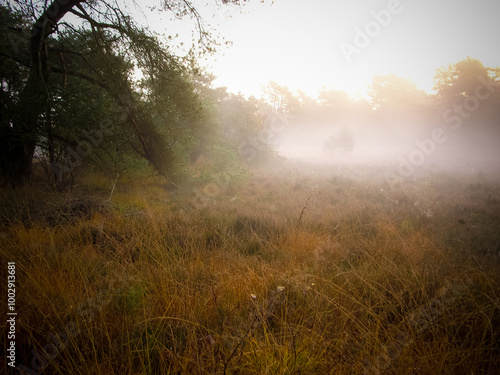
{"x": 19, "y": 140}
{"x": 16, "y": 154}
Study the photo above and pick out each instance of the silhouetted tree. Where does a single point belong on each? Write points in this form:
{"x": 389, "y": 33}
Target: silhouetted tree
{"x": 101, "y": 55}
{"x": 460, "y": 80}
{"x": 395, "y": 93}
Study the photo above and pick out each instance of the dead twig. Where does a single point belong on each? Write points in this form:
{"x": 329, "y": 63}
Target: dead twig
{"x": 302, "y": 212}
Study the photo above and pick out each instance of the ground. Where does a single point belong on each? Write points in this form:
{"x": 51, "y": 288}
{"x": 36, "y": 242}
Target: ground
{"x": 297, "y": 270}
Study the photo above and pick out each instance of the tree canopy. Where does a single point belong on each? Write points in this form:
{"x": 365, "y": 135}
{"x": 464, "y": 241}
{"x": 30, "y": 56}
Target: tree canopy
{"x": 63, "y": 79}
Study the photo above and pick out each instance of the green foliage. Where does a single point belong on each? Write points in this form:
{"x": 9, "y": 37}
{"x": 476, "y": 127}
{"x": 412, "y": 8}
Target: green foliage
{"x": 86, "y": 86}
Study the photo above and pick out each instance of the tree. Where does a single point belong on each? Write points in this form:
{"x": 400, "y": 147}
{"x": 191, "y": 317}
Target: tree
{"x": 468, "y": 94}
{"x": 343, "y": 141}
{"x": 459, "y": 80}
{"x": 336, "y": 105}
{"x": 335, "y": 100}
{"x": 20, "y": 134}
{"x": 394, "y": 93}
{"x": 100, "y": 55}
{"x": 281, "y": 98}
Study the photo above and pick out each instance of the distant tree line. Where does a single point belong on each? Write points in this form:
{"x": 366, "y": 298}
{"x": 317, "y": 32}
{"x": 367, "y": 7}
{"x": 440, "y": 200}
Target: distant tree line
{"x": 467, "y": 96}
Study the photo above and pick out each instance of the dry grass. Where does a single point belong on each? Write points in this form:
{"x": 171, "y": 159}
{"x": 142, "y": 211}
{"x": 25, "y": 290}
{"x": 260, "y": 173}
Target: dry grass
{"x": 289, "y": 274}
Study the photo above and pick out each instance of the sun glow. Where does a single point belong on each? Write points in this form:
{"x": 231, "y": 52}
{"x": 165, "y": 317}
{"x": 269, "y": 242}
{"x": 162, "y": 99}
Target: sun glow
{"x": 299, "y": 45}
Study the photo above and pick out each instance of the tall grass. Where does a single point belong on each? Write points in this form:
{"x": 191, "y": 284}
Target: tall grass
{"x": 359, "y": 278}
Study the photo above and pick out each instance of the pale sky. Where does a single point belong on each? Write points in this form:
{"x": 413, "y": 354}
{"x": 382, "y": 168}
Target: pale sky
{"x": 297, "y": 43}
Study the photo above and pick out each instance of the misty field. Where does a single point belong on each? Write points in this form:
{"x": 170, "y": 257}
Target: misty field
{"x": 295, "y": 271}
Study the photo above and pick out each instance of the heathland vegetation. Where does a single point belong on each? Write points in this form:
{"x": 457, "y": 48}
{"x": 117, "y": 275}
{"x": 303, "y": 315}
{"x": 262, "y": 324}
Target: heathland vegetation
{"x": 155, "y": 228}
{"x": 318, "y": 272}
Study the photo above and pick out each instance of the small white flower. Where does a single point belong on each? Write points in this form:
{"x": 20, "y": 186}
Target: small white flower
{"x": 280, "y": 288}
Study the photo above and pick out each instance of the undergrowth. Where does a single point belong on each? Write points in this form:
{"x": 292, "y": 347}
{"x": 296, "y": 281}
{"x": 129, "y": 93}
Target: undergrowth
{"x": 281, "y": 275}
